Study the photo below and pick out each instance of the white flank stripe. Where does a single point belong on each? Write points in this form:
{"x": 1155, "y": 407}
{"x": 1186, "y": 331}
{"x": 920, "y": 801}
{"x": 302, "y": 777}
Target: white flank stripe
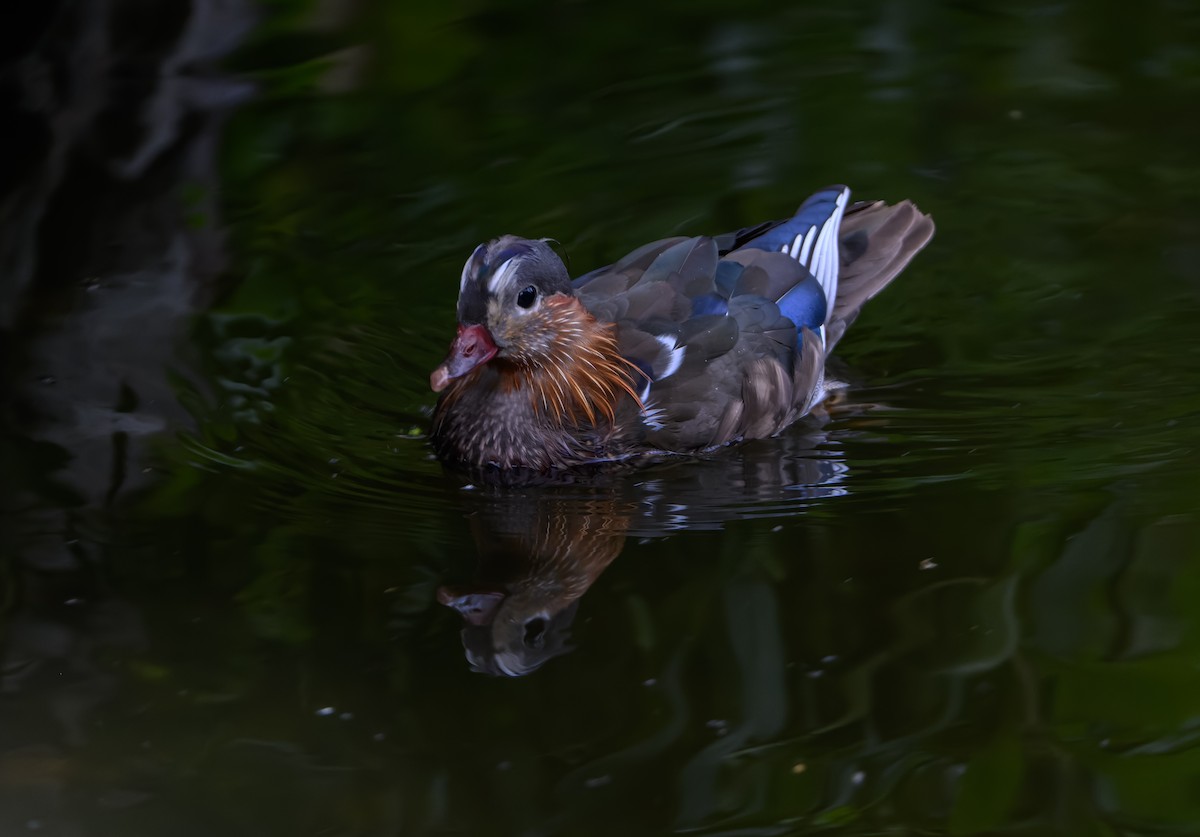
{"x": 826, "y": 258}
{"x": 676, "y": 355}
{"x": 809, "y": 238}
{"x": 654, "y": 417}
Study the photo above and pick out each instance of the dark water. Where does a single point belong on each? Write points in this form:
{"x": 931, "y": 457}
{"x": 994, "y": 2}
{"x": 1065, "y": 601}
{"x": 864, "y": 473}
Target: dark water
{"x": 966, "y": 603}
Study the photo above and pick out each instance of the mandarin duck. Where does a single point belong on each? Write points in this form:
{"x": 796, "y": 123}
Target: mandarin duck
{"x": 682, "y": 346}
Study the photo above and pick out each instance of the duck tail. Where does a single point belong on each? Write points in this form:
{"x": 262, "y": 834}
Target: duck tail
{"x": 877, "y": 241}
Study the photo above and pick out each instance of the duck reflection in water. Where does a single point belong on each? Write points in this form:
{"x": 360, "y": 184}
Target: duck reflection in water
{"x": 540, "y": 550}
{"x": 537, "y": 556}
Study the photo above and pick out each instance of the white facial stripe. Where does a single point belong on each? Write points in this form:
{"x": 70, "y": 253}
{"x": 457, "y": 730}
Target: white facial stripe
{"x": 502, "y": 275}
{"x": 674, "y": 360}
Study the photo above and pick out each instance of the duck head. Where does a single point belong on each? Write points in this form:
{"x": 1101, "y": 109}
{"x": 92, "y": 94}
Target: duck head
{"x": 518, "y": 310}
{"x": 515, "y": 302}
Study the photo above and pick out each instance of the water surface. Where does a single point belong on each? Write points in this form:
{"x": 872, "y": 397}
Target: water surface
{"x": 963, "y": 603}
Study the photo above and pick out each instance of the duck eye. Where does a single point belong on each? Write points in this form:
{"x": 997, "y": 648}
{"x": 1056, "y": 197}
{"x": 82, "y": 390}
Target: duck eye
{"x": 526, "y": 297}
{"x": 535, "y": 630}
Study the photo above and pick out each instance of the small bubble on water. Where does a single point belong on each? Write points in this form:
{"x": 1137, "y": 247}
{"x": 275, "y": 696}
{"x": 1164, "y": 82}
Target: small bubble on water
{"x": 326, "y": 711}
{"x": 347, "y": 716}
{"x": 858, "y": 777}
{"x": 928, "y": 564}
{"x": 799, "y": 767}
{"x": 597, "y": 782}
{"x": 47, "y": 380}
{"x": 718, "y": 726}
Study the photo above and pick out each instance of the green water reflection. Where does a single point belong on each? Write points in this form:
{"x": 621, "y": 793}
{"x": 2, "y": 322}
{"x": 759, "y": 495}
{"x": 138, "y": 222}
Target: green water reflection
{"x": 964, "y": 604}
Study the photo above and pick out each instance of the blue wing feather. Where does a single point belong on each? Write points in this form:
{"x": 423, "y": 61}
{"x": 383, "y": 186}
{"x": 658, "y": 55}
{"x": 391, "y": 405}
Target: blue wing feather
{"x": 804, "y": 296}
{"x": 709, "y": 304}
{"x": 811, "y": 238}
{"x": 814, "y": 212}
{"x": 727, "y": 276}
{"x": 805, "y": 304}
